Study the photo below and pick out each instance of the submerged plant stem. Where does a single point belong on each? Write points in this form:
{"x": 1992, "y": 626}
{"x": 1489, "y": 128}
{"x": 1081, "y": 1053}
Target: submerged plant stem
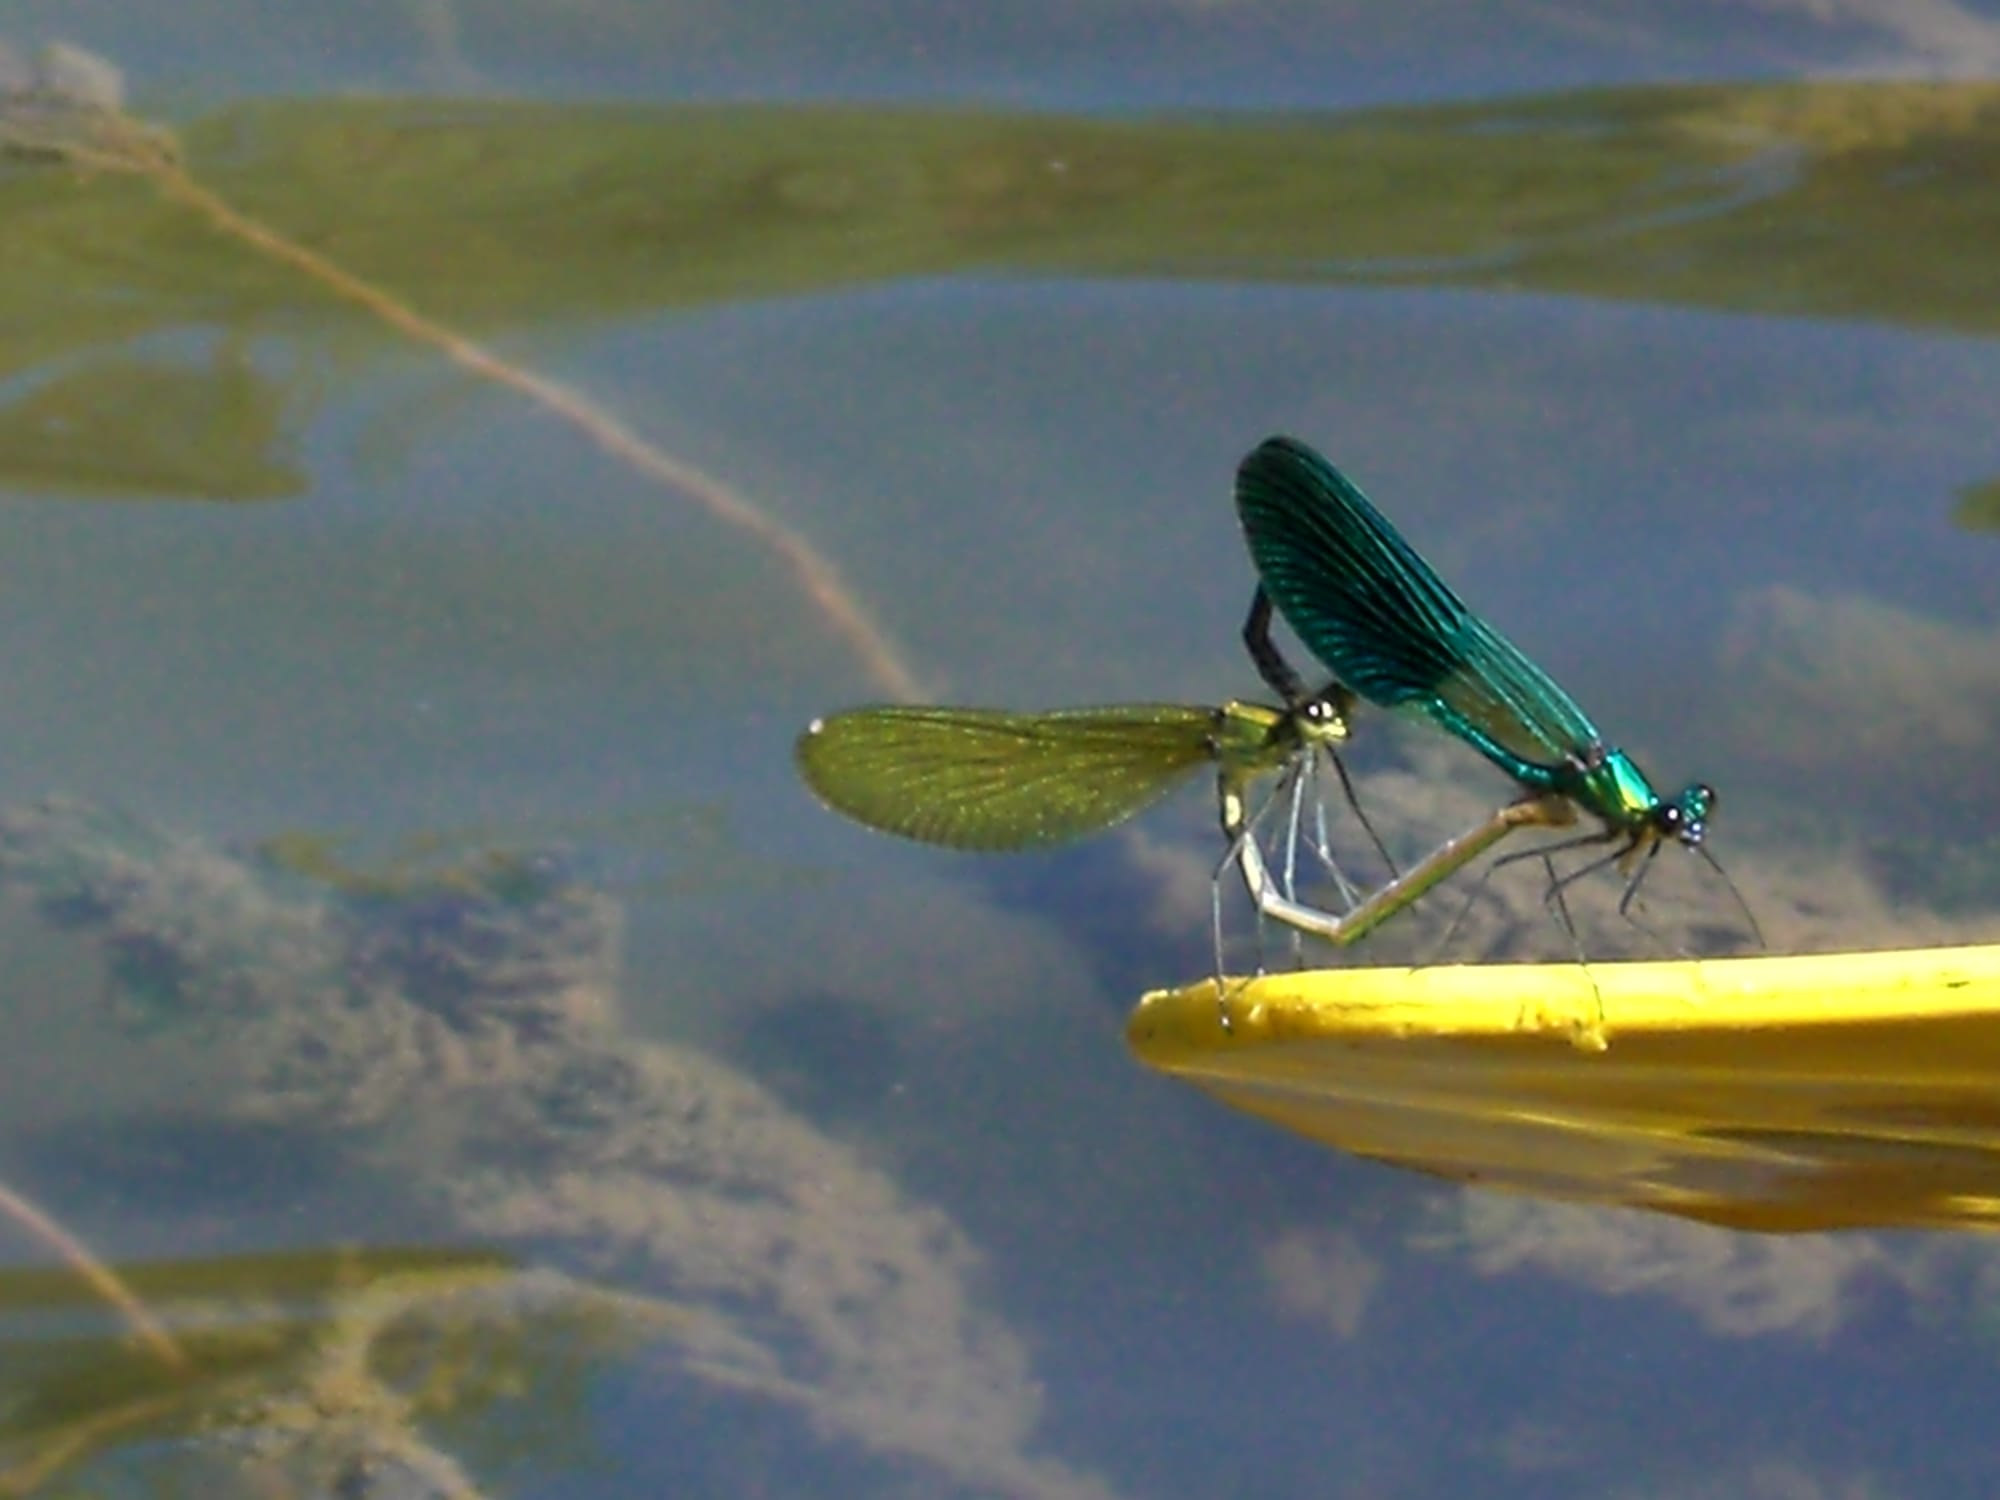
{"x": 139, "y": 149}
{"x": 816, "y": 574}
{"x": 100, "y": 1277}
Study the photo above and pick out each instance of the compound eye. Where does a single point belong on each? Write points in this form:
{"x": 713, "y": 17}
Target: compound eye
{"x": 1672, "y": 821}
{"x": 1688, "y": 826}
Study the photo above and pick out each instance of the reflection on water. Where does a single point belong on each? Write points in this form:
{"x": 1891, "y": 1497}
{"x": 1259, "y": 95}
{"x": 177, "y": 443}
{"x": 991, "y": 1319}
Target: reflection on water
{"x": 1979, "y": 507}
{"x": 313, "y": 1374}
{"x": 459, "y": 1033}
{"x": 147, "y": 428}
{"x": 1094, "y": 1278}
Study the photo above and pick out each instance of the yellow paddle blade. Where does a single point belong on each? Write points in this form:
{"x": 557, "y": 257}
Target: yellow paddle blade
{"x": 1775, "y": 1094}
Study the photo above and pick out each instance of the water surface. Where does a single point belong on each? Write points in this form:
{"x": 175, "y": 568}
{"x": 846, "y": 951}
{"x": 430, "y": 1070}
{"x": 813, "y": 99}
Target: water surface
{"x": 431, "y": 976}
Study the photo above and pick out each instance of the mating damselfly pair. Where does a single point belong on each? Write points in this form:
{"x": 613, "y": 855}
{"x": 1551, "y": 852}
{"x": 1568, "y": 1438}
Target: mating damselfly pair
{"x": 1390, "y": 631}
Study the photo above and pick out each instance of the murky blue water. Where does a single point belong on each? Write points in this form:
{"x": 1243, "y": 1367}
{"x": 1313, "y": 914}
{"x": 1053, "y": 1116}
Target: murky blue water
{"x": 573, "y": 969}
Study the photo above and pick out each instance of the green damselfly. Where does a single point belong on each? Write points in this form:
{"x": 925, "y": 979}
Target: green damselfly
{"x": 989, "y": 779}
{"x": 1373, "y": 611}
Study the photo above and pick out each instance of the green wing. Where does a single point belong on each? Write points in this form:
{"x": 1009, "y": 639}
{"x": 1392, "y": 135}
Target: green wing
{"x": 989, "y": 779}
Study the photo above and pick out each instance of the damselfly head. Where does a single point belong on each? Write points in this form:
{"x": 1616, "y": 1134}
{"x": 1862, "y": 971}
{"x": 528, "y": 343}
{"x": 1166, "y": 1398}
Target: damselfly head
{"x": 1321, "y": 720}
{"x": 1685, "y": 818}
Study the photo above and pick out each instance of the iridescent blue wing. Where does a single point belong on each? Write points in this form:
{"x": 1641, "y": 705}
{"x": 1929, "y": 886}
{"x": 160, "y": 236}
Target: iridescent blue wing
{"x": 1372, "y": 610}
